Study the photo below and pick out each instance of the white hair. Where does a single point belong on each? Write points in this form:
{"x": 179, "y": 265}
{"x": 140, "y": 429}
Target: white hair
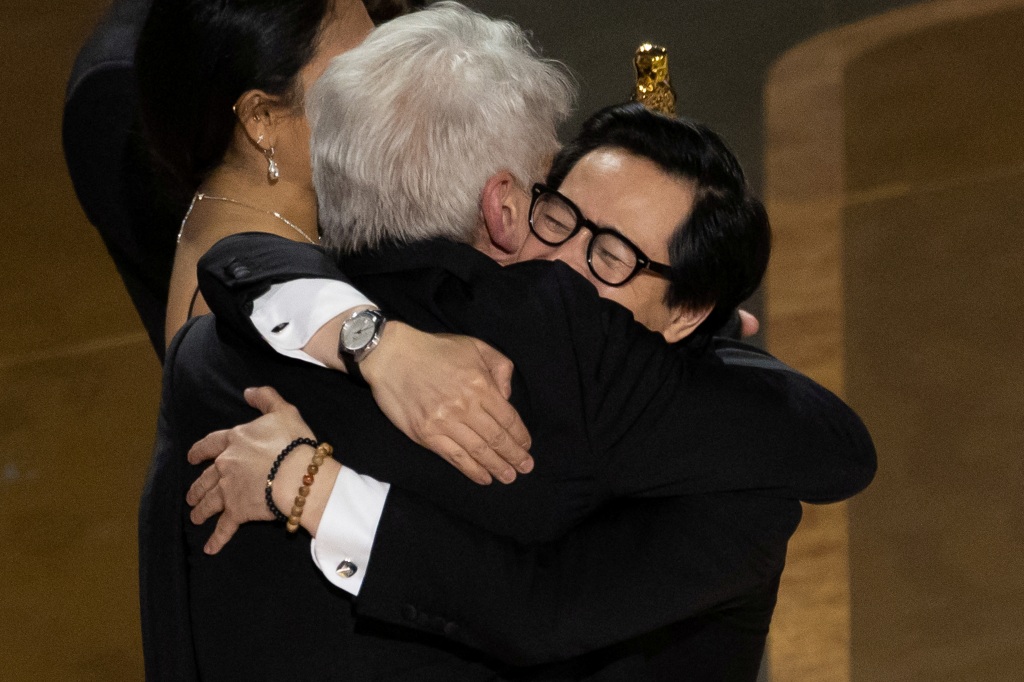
{"x": 408, "y": 126}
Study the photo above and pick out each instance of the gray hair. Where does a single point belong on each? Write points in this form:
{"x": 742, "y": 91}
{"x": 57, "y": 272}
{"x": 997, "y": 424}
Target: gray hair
{"x": 408, "y": 126}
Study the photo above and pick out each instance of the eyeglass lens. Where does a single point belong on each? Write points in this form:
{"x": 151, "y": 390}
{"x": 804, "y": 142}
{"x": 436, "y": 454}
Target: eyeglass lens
{"x": 611, "y": 259}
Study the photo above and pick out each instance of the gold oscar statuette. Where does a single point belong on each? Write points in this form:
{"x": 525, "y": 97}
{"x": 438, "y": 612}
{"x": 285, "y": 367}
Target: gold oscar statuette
{"x": 653, "y": 88}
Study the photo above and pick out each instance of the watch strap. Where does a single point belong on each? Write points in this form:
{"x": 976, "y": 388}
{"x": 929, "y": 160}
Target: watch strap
{"x": 352, "y": 367}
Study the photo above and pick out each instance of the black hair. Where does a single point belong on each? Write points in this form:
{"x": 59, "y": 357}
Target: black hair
{"x": 194, "y": 60}
{"x": 720, "y": 253}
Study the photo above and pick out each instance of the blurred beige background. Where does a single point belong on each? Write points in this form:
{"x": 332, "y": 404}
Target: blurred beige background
{"x": 894, "y": 177}
{"x": 79, "y": 385}
{"x": 887, "y": 139}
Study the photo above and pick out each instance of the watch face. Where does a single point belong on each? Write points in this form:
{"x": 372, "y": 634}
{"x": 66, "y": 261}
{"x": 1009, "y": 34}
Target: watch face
{"x": 358, "y": 332}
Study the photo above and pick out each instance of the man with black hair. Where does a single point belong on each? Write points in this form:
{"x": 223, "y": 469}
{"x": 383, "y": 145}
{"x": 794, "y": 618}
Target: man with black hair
{"x": 670, "y": 186}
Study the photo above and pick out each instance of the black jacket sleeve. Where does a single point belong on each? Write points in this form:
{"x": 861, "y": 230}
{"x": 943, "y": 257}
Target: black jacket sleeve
{"x": 668, "y": 421}
{"x": 111, "y": 167}
{"x": 230, "y": 284}
{"x": 659, "y": 421}
{"x": 628, "y": 570}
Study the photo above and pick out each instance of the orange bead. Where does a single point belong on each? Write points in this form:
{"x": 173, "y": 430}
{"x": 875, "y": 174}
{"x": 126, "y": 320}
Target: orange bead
{"x": 307, "y": 480}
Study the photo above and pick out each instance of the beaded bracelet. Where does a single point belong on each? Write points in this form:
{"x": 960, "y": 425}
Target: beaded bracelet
{"x": 323, "y": 450}
{"x": 269, "y": 493}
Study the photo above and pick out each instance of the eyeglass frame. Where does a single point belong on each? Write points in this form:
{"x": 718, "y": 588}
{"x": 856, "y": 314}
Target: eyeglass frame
{"x": 643, "y": 261}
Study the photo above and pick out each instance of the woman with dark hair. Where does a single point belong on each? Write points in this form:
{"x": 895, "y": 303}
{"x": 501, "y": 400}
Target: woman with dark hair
{"x": 221, "y": 87}
{"x": 111, "y": 166}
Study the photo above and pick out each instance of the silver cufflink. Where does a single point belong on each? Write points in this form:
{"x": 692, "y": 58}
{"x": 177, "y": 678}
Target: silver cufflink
{"x": 346, "y": 569}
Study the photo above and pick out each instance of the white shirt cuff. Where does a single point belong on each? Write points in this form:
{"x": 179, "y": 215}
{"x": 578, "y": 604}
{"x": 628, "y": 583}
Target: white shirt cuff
{"x": 290, "y": 313}
{"x": 347, "y": 529}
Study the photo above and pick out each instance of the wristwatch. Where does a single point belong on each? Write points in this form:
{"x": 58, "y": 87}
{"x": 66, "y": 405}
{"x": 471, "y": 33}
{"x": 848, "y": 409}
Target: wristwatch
{"x": 360, "y": 334}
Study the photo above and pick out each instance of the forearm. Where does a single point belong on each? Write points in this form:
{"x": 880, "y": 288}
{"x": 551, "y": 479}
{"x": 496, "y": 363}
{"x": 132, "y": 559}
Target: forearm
{"x": 743, "y": 428}
{"x": 660, "y": 420}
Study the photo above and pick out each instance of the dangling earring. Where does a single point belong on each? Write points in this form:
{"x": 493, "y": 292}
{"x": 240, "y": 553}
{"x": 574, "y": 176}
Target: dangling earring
{"x": 273, "y": 173}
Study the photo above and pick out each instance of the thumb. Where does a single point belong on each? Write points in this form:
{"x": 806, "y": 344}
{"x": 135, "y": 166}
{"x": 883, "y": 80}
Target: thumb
{"x": 265, "y": 399}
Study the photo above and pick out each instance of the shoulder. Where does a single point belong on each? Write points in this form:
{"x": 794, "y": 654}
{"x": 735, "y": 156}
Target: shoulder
{"x": 205, "y": 359}
{"x": 547, "y": 278}
{"x": 110, "y": 49}
{"x": 188, "y": 349}
{"x": 554, "y": 286}
{"x": 258, "y": 259}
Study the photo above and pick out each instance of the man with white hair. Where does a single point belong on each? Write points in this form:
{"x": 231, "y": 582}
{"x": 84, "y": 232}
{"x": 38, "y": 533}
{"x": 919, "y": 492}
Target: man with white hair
{"x": 654, "y": 449}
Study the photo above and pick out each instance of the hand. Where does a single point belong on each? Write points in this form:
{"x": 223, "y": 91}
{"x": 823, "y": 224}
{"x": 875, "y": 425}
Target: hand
{"x": 235, "y": 483}
{"x": 748, "y": 324}
{"x": 450, "y": 394}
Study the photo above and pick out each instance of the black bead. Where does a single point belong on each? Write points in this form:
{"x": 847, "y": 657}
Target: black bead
{"x": 273, "y": 473}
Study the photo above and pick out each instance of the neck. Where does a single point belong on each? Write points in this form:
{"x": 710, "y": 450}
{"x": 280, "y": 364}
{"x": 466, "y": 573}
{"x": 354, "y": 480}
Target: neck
{"x": 294, "y": 202}
{"x": 496, "y": 254}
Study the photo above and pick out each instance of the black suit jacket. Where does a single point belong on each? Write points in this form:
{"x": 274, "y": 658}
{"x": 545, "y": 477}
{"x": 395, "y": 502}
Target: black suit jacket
{"x": 614, "y": 415}
{"x": 111, "y": 167}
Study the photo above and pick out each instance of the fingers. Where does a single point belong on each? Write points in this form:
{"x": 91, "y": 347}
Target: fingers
{"x": 456, "y": 455}
{"x": 212, "y": 502}
{"x": 224, "y": 531}
{"x": 748, "y": 324}
{"x": 500, "y": 367}
{"x": 508, "y": 435}
{"x": 207, "y": 498}
{"x": 483, "y": 442}
{"x": 206, "y": 481}
{"x": 500, "y": 427}
{"x": 265, "y": 399}
{"x": 209, "y": 447}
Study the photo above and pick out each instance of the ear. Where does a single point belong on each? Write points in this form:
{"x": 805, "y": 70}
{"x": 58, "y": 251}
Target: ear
{"x": 503, "y": 211}
{"x": 259, "y": 114}
{"x": 683, "y": 321}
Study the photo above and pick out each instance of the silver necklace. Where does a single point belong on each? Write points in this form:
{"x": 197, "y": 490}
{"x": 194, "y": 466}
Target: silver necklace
{"x": 199, "y": 196}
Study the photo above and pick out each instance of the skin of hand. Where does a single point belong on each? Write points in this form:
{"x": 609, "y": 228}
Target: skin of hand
{"x": 447, "y": 393}
{"x": 748, "y": 324}
{"x": 234, "y": 484}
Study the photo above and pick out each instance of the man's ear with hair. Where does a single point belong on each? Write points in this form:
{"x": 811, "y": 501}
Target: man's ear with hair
{"x": 503, "y": 211}
{"x": 683, "y": 321}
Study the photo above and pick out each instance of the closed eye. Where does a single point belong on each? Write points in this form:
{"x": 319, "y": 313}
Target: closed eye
{"x": 609, "y": 257}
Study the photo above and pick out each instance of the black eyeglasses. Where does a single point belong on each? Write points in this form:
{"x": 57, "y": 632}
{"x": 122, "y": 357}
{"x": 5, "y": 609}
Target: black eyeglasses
{"x": 611, "y": 257}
